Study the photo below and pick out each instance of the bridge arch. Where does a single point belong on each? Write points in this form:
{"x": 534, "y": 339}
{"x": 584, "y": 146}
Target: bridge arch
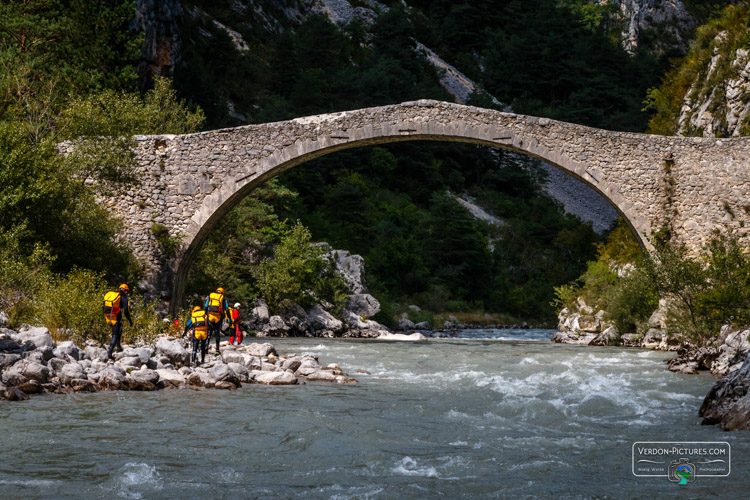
{"x": 190, "y": 182}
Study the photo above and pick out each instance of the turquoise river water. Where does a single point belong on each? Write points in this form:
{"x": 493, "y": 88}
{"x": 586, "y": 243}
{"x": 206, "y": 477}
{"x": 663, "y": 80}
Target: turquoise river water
{"x": 492, "y": 414}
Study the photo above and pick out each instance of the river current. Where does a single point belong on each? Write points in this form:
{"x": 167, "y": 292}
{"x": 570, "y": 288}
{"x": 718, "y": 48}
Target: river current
{"x": 493, "y": 413}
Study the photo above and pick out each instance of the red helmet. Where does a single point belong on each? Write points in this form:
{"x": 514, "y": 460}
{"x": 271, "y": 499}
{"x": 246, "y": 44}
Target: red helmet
{"x": 220, "y": 290}
{"x": 124, "y": 287}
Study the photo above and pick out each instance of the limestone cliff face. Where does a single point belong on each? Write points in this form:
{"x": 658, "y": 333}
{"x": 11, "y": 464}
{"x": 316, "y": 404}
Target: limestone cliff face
{"x": 718, "y": 101}
{"x": 161, "y": 50}
{"x": 640, "y": 16}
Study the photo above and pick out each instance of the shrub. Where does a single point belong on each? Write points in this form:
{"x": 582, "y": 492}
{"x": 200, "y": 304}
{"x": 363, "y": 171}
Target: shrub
{"x": 297, "y": 274}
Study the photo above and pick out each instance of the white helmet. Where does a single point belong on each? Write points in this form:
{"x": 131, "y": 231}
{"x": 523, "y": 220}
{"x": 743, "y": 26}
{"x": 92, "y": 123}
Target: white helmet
{"x": 237, "y": 305}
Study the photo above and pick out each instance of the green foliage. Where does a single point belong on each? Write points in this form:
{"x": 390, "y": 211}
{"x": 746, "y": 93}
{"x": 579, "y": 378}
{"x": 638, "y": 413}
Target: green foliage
{"x": 620, "y": 247}
{"x": 688, "y": 80}
{"x": 167, "y": 243}
{"x": 706, "y": 293}
{"x": 297, "y": 274}
{"x": 631, "y": 301}
{"x": 102, "y": 126}
{"x": 71, "y": 307}
{"x": 240, "y": 241}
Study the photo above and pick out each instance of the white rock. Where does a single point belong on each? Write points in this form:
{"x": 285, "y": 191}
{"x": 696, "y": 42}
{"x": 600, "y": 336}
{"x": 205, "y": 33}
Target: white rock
{"x": 274, "y": 378}
{"x": 414, "y": 337}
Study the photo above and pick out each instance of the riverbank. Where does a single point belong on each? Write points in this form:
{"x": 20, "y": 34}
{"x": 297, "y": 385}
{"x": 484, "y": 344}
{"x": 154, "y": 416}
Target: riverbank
{"x": 32, "y": 363}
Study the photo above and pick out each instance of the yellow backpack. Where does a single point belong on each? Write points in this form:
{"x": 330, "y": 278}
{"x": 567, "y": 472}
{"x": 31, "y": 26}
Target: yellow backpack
{"x": 214, "y": 309}
{"x": 200, "y": 324}
{"x": 111, "y": 307}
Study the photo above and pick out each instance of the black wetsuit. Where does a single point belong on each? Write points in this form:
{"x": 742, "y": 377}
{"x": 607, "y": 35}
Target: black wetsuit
{"x": 117, "y": 327}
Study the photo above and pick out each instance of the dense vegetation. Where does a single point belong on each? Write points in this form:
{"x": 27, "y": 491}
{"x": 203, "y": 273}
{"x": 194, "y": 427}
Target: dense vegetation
{"x": 67, "y": 75}
{"x": 699, "y": 295}
{"x": 695, "y": 78}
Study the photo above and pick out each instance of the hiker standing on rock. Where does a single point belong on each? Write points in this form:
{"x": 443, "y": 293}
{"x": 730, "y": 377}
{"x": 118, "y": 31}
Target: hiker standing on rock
{"x": 217, "y": 309}
{"x": 115, "y": 303}
{"x": 235, "y": 318}
{"x": 198, "y": 322}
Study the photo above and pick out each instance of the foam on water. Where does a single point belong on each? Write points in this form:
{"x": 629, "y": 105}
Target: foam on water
{"x": 137, "y": 476}
{"x": 407, "y": 466}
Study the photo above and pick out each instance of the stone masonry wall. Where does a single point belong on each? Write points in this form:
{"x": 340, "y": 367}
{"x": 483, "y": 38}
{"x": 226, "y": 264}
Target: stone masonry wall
{"x": 188, "y": 182}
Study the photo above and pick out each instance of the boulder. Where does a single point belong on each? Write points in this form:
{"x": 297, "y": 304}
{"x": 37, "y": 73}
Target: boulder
{"x": 567, "y": 337}
{"x": 130, "y": 362}
{"x": 653, "y": 338}
{"x": 143, "y": 380}
{"x": 260, "y": 350}
{"x": 173, "y": 351}
{"x": 68, "y": 348}
{"x": 46, "y": 352}
{"x": 322, "y": 320}
{"x": 95, "y": 352}
{"x": 610, "y": 336}
{"x": 4, "y": 320}
{"x": 733, "y": 347}
{"x": 423, "y": 325}
{"x": 81, "y": 385}
{"x": 142, "y": 353}
{"x": 56, "y": 365}
{"x": 32, "y": 370}
{"x": 291, "y": 364}
{"x": 200, "y": 378}
{"x": 10, "y": 346}
{"x": 268, "y": 367}
{"x": 350, "y": 267}
{"x": 322, "y": 376}
{"x": 274, "y": 378}
{"x": 587, "y": 323}
{"x": 222, "y": 372}
{"x": 658, "y": 319}
{"x": 71, "y": 371}
{"x": 241, "y": 371}
{"x": 38, "y": 336}
{"x": 8, "y": 360}
{"x": 232, "y": 356}
{"x": 224, "y": 384}
{"x": 362, "y": 305}
{"x": 259, "y": 314}
{"x": 31, "y": 387}
{"x": 145, "y": 375}
{"x": 277, "y": 327}
{"x": 307, "y": 366}
{"x": 405, "y": 324}
{"x": 15, "y": 394}
{"x": 113, "y": 378}
{"x": 171, "y": 378}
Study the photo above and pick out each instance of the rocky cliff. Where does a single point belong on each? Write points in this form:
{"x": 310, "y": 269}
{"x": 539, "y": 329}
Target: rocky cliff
{"x": 643, "y": 17}
{"x": 718, "y": 101}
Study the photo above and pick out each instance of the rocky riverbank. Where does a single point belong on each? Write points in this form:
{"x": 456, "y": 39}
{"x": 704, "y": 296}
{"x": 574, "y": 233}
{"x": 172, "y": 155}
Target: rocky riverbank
{"x": 32, "y": 363}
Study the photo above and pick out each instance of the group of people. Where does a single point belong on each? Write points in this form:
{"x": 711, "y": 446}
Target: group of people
{"x": 204, "y": 322}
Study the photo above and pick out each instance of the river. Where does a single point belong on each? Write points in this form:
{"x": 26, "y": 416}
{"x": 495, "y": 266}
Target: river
{"x": 491, "y": 414}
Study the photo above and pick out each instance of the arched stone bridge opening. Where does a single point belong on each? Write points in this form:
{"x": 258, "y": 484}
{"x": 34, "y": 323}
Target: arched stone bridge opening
{"x": 187, "y": 183}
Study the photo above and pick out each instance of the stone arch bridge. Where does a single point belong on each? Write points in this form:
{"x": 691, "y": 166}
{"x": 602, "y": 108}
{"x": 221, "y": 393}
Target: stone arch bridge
{"x": 188, "y": 182}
